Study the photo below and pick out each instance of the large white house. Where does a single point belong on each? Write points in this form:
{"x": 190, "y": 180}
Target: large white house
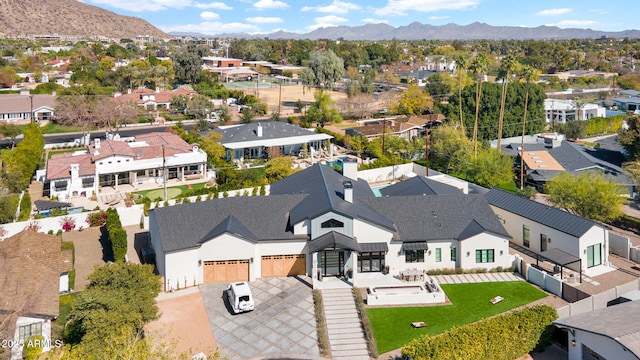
{"x": 542, "y": 228}
{"x": 560, "y": 111}
{"x": 323, "y": 224}
{"x": 114, "y": 162}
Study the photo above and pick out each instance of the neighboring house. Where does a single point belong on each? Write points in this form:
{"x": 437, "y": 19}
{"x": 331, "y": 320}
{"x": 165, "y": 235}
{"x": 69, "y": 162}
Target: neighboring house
{"x": 151, "y": 100}
{"x": 541, "y": 227}
{"x": 550, "y": 157}
{"x": 609, "y": 333}
{"x": 561, "y": 111}
{"x": 32, "y": 266}
{"x": 220, "y": 62}
{"x": 418, "y": 77}
{"x": 404, "y": 127}
{"x": 323, "y": 224}
{"x": 25, "y": 107}
{"x": 113, "y": 162}
{"x": 627, "y": 103}
{"x": 268, "y": 138}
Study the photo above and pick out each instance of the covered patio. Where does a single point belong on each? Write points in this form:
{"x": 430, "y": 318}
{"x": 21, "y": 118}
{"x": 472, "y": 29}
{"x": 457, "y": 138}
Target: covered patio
{"x": 560, "y": 260}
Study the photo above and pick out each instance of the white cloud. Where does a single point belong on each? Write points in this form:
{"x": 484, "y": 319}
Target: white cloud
{"x": 374, "y": 21}
{"x": 208, "y": 15}
{"x": 213, "y": 5}
{"x": 212, "y": 28}
{"x": 336, "y": 7}
{"x": 576, "y": 23}
{"x": 554, "y": 12}
{"x": 270, "y": 4}
{"x": 402, "y": 7}
{"x": 599, "y": 11}
{"x": 439, "y": 17}
{"x": 264, "y": 20}
{"x": 326, "y": 21}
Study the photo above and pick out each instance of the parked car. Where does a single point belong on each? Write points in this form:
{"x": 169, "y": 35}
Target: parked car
{"x": 240, "y": 297}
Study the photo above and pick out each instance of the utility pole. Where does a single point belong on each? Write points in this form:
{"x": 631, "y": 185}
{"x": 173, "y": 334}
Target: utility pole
{"x": 164, "y": 173}
{"x": 426, "y": 150}
{"x": 280, "y": 98}
{"x": 31, "y": 113}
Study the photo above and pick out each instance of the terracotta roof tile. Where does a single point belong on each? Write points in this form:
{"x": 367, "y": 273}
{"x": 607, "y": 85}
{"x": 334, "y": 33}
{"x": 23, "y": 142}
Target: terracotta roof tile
{"x": 59, "y": 166}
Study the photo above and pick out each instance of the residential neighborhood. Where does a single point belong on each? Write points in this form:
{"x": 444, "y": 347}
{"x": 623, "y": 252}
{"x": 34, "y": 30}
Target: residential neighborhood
{"x": 184, "y": 195}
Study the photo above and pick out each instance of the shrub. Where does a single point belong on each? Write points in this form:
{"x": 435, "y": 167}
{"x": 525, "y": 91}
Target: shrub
{"x": 33, "y": 226}
{"x": 25, "y": 208}
{"x": 97, "y": 218}
{"x": 67, "y": 223}
{"x": 59, "y": 233}
{"x": 117, "y": 235}
{"x": 503, "y": 337}
{"x": 33, "y": 347}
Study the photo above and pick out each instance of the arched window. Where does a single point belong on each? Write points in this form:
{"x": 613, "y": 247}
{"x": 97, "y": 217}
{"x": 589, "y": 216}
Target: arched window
{"x": 332, "y": 223}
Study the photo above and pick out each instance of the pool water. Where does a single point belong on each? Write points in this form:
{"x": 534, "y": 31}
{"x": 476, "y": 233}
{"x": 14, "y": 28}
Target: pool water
{"x": 376, "y": 190}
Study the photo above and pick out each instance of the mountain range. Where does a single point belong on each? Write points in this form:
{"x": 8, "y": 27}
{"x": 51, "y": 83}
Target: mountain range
{"x": 69, "y": 17}
{"x": 419, "y": 31}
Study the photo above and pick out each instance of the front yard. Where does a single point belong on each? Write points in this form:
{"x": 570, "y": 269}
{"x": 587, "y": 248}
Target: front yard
{"x": 469, "y": 303}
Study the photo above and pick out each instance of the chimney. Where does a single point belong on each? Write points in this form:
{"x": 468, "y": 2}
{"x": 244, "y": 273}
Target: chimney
{"x": 350, "y": 168}
{"x": 96, "y": 144}
{"x": 259, "y": 130}
{"x": 347, "y": 191}
{"x": 75, "y": 170}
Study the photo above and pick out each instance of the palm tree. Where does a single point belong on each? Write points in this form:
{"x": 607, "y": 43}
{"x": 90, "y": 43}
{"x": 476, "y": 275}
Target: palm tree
{"x": 479, "y": 68}
{"x": 528, "y": 74}
{"x": 578, "y": 105}
{"x": 462, "y": 62}
{"x": 509, "y": 64}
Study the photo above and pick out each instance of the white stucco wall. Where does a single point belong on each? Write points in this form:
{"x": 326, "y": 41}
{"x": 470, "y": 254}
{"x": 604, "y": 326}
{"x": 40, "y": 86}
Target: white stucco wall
{"x": 181, "y": 269}
{"x": 513, "y": 223}
{"x": 281, "y": 247}
{"x": 228, "y": 247}
{"x": 47, "y": 344}
{"x": 605, "y": 346}
{"x": 484, "y": 241}
{"x": 366, "y": 232}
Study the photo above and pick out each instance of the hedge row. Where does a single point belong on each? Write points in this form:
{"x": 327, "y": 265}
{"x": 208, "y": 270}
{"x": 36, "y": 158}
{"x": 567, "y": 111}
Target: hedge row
{"x": 25, "y": 207}
{"x": 606, "y": 125}
{"x": 21, "y": 163}
{"x": 504, "y": 337}
{"x": 117, "y": 235}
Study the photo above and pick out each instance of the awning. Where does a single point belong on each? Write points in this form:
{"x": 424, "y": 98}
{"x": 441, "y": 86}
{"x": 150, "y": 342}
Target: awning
{"x": 333, "y": 240}
{"x": 374, "y": 247}
{"x": 48, "y": 205}
{"x": 418, "y": 245}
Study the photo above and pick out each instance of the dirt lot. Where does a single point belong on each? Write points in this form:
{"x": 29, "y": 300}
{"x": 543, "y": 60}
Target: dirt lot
{"x": 290, "y": 95}
{"x": 183, "y": 323}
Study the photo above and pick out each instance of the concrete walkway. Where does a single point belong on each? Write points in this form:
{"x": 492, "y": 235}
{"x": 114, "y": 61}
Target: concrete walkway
{"x": 475, "y": 278}
{"x": 346, "y": 335}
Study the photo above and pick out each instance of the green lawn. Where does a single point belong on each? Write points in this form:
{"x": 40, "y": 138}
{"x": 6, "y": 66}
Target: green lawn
{"x": 172, "y": 192}
{"x": 62, "y": 151}
{"x": 66, "y": 303}
{"x": 470, "y": 302}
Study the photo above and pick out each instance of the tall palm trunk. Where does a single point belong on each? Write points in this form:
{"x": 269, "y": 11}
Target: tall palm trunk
{"x": 524, "y": 125}
{"x": 502, "y": 104}
{"x": 475, "y": 123}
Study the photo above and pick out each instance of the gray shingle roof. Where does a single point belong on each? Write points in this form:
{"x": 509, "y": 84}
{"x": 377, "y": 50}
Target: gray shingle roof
{"x": 189, "y": 225}
{"x": 619, "y": 322}
{"x": 543, "y": 214}
{"x": 443, "y": 217}
{"x": 325, "y": 188}
{"x": 270, "y": 130}
{"x": 418, "y": 185}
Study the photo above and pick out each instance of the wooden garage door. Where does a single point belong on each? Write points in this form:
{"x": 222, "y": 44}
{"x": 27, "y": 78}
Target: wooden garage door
{"x": 284, "y": 265}
{"x": 226, "y": 271}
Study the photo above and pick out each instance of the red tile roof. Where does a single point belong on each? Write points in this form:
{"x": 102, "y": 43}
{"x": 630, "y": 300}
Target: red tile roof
{"x": 163, "y": 96}
{"x": 59, "y": 166}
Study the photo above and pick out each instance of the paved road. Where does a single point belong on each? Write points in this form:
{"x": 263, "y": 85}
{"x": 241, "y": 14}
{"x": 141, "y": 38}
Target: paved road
{"x": 283, "y": 324}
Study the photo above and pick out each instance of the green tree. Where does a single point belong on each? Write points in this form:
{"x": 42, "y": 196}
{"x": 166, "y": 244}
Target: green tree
{"x": 589, "y": 194}
{"x": 199, "y": 106}
{"x": 179, "y": 102}
{"x": 326, "y": 67}
{"x": 10, "y": 131}
{"x": 278, "y": 168}
{"x": 187, "y": 65}
{"x": 119, "y": 296}
{"x": 447, "y": 146}
{"x": 323, "y": 110}
{"x": 489, "y": 168}
{"x": 414, "y": 101}
{"x": 508, "y": 67}
{"x": 248, "y": 115}
{"x": 630, "y": 138}
{"x": 210, "y": 144}
{"x": 479, "y": 67}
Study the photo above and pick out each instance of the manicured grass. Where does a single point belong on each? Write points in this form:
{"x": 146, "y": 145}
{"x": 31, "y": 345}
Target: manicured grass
{"x": 53, "y": 128}
{"x": 172, "y": 192}
{"x": 509, "y": 186}
{"x": 62, "y": 151}
{"x": 470, "y": 303}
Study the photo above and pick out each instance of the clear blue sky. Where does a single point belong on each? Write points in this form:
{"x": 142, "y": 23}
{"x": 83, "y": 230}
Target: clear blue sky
{"x": 265, "y": 16}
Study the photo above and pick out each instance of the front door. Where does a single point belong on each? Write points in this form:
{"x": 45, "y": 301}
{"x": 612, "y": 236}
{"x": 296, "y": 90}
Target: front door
{"x": 332, "y": 263}
{"x": 543, "y": 242}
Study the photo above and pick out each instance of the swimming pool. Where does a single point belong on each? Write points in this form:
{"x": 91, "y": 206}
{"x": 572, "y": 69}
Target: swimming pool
{"x": 376, "y": 190}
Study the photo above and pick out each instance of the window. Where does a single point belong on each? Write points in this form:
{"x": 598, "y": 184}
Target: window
{"x": 370, "y": 261}
{"x": 414, "y": 256}
{"x": 594, "y": 255}
{"x": 484, "y": 256}
{"x": 438, "y": 255}
{"x": 27, "y": 331}
{"x": 525, "y": 235}
{"x": 332, "y": 223}
{"x": 454, "y": 254}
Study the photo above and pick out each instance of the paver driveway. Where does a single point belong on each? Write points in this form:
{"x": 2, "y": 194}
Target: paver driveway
{"x": 282, "y": 325}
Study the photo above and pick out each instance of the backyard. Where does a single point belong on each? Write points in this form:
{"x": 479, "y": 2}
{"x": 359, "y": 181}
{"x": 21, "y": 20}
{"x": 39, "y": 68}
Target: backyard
{"x": 172, "y": 192}
{"x": 469, "y": 303}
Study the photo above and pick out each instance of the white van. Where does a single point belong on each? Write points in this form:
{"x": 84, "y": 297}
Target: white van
{"x": 240, "y": 297}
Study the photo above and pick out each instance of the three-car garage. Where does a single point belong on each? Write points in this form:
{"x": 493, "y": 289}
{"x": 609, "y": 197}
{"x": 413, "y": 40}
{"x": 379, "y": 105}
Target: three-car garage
{"x": 239, "y": 270}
